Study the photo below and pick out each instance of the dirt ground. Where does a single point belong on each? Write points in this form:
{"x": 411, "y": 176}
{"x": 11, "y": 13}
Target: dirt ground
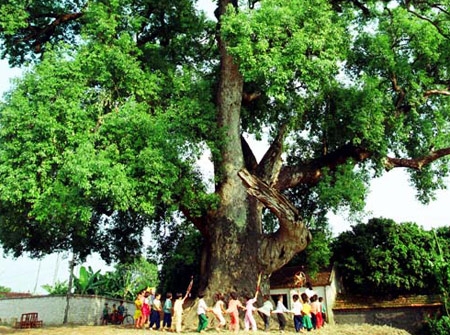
{"x": 190, "y": 321}
{"x": 120, "y": 330}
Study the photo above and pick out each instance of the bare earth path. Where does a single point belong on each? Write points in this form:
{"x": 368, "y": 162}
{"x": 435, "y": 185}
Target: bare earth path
{"x": 116, "y": 330}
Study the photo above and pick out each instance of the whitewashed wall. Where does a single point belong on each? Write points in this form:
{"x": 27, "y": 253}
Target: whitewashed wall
{"x": 83, "y": 309}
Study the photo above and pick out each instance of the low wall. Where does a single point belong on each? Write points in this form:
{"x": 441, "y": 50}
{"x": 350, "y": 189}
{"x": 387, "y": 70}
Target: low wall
{"x": 408, "y": 318}
{"x": 83, "y": 309}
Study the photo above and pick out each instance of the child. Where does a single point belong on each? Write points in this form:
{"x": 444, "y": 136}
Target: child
{"x": 280, "y": 310}
{"x": 178, "y": 311}
{"x": 233, "y": 309}
{"x": 113, "y": 316}
{"x": 324, "y": 311}
{"x": 105, "y": 314}
{"x": 120, "y": 311}
{"x": 167, "y": 310}
{"x": 218, "y": 311}
{"x": 297, "y": 311}
{"x": 306, "y": 312}
{"x": 202, "y": 308}
{"x": 309, "y": 291}
{"x": 155, "y": 316}
{"x": 265, "y": 310}
{"x": 146, "y": 306}
{"x": 138, "y": 318}
{"x": 316, "y": 312}
{"x": 249, "y": 308}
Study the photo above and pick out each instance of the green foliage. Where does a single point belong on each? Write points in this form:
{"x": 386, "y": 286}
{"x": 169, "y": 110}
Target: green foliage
{"x": 383, "y": 257}
{"x": 28, "y": 28}
{"x": 128, "y": 279}
{"x": 345, "y": 188}
{"x": 277, "y": 44}
{"x": 317, "y": 255}
{"x": 61, "y": 168}
{"x": 59, "y": 288}
{"x": 124, "y": 282}
{"x": 88, "y": 281}
{"x": 441, "y": 267}
{"x": 438, "y": 326}
{"x": 180, "y": 257}
{"x": 3, "y": 290}
{"x": 100, "y": 138}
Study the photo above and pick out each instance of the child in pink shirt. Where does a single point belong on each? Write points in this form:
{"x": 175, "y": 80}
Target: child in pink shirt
{"x": 249, "y": 308}
{"x": 233, "y": 309}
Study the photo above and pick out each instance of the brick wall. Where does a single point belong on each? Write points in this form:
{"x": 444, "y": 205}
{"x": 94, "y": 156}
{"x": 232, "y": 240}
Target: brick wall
{"x": 409, "y": 318}
{"x": 84, "y": 309}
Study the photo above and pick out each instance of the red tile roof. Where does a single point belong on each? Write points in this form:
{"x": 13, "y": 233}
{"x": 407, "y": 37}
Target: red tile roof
{"x": 14, "y": 295}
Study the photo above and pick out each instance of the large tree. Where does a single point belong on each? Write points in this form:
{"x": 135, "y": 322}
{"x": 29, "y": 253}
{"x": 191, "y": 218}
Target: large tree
{"x": 128, "y": 93}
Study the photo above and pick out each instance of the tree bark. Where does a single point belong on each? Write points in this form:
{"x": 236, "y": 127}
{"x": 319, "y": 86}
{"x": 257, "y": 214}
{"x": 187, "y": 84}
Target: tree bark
{"x": 69, "y": 289}
{"x": 236, "y": 250}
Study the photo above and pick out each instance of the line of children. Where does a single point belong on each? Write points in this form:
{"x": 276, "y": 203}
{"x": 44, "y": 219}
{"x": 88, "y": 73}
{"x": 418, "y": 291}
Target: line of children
{"x": 307, "y": 313}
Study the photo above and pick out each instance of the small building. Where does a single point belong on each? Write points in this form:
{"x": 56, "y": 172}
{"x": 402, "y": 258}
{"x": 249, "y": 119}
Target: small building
{"x": 325, "y": 283}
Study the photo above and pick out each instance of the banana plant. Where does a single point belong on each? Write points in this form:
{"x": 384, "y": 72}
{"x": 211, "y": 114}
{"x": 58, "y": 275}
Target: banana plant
{"x": 88, "y": 281}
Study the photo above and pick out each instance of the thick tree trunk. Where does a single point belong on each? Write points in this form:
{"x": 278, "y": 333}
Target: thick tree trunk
{"x": 235, "y": 257}
{"x": 236, "y": 250}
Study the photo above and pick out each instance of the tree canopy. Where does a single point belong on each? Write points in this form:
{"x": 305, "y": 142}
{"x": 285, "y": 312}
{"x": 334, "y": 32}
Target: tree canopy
{"x": 101, "y": 136}
{"x": 387, "y": 258}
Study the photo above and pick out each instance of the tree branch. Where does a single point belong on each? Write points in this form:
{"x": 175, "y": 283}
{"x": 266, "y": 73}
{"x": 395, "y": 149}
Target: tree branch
{"x": 436, "y": 92}
{"x": 270, "y": 165}
{"x": 311, "y": 173}
{"x": 416, "y": 163}
{"x": 292, "y": 236}
{"x": 43, "y": 35}
{"x": 249, "y": 158}
{"x": 397, "y": 88}
{"x": 270, "y": 197}
{"x": 433, "y": 23}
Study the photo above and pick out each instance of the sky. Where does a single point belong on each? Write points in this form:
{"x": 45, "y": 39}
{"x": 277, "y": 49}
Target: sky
{"x": 390, "y": 197}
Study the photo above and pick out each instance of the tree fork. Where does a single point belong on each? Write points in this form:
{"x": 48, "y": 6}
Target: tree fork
{"x": 291, "y": 238}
